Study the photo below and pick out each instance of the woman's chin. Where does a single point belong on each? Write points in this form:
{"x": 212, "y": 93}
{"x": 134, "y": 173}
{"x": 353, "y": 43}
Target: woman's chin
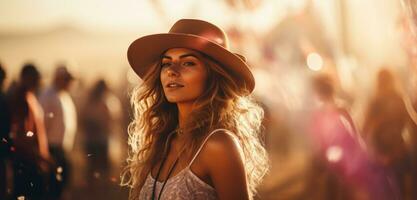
{"x": 174, "y": 99}
{"x": 177, "y": 100}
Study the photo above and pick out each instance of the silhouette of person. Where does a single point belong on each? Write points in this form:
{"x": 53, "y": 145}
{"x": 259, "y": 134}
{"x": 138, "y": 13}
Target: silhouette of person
{"x": 96, "y": 123}
{"x": 385, "y": 120}
{"x": 340, "y": 159}
{"x": 60, "y": 123}
{"x": 4, "y": 135}
{"x": 31, "y": 162}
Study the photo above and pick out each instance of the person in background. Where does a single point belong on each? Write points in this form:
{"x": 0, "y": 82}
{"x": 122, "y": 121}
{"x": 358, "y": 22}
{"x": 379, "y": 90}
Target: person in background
{"x": 61, "y": 124}
{"x": 96, "y": 121}
{"x": 4, "y": 135}
{"x": 31, "y": 163}
{"x": 386, "y": 119}
{"x": 340, "y": 160}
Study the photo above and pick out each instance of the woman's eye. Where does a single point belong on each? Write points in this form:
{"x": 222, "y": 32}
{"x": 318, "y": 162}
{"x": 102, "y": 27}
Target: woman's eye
{"x": 165, "y": 64}
{"x": 189, "y": 63}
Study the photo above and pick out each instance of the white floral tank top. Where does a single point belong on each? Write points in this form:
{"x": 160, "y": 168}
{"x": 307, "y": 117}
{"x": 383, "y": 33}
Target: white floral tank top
{"x": 184, "y": 185}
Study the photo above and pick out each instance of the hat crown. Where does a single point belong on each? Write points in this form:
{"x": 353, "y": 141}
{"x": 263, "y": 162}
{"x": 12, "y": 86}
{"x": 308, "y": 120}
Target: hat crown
{"x": 202, "y": 29}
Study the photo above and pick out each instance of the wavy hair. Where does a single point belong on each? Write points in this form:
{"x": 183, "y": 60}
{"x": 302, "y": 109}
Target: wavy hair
{"x": 222, "y": 105}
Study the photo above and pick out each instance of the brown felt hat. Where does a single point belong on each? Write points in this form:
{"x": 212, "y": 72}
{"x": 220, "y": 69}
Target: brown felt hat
{"x": 193, "y": 34}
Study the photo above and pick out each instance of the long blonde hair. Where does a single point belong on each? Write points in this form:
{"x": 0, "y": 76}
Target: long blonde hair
{"x": 222, "y": 105}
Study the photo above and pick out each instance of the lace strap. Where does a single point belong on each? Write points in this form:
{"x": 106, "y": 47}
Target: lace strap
{"x": 204, "y": 142}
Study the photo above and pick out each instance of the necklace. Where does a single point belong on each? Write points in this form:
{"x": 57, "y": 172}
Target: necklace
{"x": 169, "y": 174}
{"x": 179, "y": 131}
{"x": 166, "y": 180}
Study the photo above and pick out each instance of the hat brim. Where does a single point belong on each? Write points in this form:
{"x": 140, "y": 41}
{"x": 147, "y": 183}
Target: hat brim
{"x": 144, "y": 52}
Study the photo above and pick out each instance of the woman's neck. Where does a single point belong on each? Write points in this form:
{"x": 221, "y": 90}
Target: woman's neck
{"x": 184, "y": 111}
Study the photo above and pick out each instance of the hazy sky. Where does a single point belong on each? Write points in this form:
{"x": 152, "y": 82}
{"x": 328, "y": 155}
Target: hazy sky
{"x": 39, "y": 14}
{"x": 372, "y": 24}
{"x": 131, "y": 15}
{"x": 138, "y": 17}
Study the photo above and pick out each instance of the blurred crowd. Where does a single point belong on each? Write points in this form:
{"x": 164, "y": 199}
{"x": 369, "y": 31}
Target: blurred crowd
{"x": 53, "y": 146}
{"x": 325, "y": 153}
{"x": 378, "y": 161}
{"x": 47, "y": 139}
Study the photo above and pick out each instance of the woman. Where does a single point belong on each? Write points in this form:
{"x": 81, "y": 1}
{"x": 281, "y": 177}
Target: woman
{"x": 195, "y": 134}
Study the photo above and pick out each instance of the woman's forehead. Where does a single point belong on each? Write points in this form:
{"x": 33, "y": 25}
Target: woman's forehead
{"x": 175, "y": 52}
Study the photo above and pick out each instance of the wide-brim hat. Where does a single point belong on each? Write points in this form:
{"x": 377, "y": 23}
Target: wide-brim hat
{"x": 194, "y": 34}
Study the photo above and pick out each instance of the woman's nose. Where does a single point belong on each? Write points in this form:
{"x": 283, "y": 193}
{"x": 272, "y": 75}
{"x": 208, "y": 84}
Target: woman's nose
{"x": 173, "y": 71}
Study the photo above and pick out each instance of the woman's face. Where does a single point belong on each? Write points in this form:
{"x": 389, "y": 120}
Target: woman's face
{"x": 183, "y": 75}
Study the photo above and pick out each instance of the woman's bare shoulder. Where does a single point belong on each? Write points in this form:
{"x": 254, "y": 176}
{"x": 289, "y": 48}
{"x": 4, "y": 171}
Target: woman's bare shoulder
{"x": 221, "y": 150}
{"x": 223, "y": 159}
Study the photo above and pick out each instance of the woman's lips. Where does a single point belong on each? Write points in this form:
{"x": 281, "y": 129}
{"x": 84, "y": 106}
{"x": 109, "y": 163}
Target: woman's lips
{"x": 174, "y": 85}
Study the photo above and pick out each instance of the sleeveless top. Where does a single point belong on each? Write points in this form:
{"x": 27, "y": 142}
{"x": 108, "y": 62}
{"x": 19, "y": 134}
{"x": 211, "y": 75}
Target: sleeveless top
{"x": 184, "y": 185}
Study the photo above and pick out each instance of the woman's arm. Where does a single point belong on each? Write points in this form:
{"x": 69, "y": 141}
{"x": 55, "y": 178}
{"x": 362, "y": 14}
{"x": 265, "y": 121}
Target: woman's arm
{"x": 223, "y": 157}
{"x": 36, "y": 109}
